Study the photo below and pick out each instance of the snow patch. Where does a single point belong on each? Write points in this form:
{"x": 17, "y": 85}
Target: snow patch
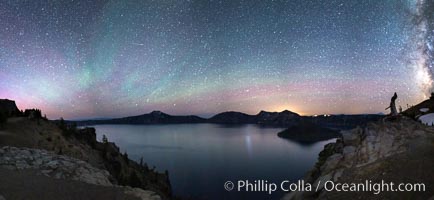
{"x": 427, "y": 119}
{"x": 424, "y": 109}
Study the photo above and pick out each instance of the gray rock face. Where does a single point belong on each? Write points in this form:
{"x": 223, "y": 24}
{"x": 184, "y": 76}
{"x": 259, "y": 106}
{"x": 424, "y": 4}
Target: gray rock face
{"x": 351, "y": 137}
{"x": 349, "y": 152}
{"x": 52, "y": 165}
{"x": 62, "y": 167}
{"x": 359, "y": 147}
{"x": 331, "y": 162}
{"x": 321, "y": 180}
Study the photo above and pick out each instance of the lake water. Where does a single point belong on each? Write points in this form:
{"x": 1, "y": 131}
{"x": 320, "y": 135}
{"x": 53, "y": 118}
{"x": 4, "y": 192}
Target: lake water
{"x": 200, "y": 158}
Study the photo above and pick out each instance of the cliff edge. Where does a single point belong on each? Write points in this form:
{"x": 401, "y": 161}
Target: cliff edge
{"x": 24, "y": 134}
{"x": 398, "y": 151}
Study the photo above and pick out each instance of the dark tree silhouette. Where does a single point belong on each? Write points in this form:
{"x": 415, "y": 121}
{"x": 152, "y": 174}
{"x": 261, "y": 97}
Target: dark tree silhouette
{"x": 126, "y": 157}
{"x": 3, "y": 119}
{"x": 33, "y": 113}
{"x": 141, "y": 161}
{"x": 104, "y": 139}
{"x": 62, "y": 124}
{"x": 134, "y": 180}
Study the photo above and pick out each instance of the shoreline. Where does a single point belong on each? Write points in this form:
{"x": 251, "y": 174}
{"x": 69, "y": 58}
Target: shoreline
{"x": 36, "y": 133}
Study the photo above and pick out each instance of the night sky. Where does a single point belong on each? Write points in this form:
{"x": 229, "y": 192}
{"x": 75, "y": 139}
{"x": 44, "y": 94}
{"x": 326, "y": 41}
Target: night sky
{"x": 86, "y": 59}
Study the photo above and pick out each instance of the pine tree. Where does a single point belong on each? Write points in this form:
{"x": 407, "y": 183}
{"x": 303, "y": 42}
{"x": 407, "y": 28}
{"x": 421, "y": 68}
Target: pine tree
{"x": 126, "y": 156}
{"x": 141, "y": 161}
{"x": 62, "y": 124}
{"x": 134, "y": 180}
{"x": 104, "y": 139}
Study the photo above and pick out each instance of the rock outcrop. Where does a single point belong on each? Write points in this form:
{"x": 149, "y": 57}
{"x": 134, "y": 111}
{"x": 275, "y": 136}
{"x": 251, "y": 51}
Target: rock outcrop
{"x": 388, "y": 151}
{"x": 8, "y": 107}
{"x": 124, "y": 171}
{"x": 57, "y": 166}
{"x": 52, "y": 165}
{"x": 81, "y": 144}
{"x": 131, "y": 173}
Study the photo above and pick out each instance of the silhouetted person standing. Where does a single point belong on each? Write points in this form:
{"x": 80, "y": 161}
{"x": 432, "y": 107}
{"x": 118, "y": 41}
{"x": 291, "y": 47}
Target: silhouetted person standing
{"x": 392, "y": 106}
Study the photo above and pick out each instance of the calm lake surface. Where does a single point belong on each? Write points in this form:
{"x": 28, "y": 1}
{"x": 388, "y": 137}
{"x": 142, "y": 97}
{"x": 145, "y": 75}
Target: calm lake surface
{"x": 200, "y": 158}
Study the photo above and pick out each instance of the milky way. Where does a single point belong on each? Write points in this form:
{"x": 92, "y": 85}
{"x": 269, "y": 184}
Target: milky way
{"x": 84, "y": 59}
{"x": 422, "y": 57}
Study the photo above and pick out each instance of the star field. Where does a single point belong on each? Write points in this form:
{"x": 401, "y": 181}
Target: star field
{"x": 85, "y": 59}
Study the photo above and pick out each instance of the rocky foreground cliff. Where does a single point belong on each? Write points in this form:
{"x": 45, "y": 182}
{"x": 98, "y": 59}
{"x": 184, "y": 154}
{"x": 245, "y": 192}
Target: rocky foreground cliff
{"x": 24, "y": 169}
{"x": 40, "y": 148}
{"x": 398, "y": 151}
